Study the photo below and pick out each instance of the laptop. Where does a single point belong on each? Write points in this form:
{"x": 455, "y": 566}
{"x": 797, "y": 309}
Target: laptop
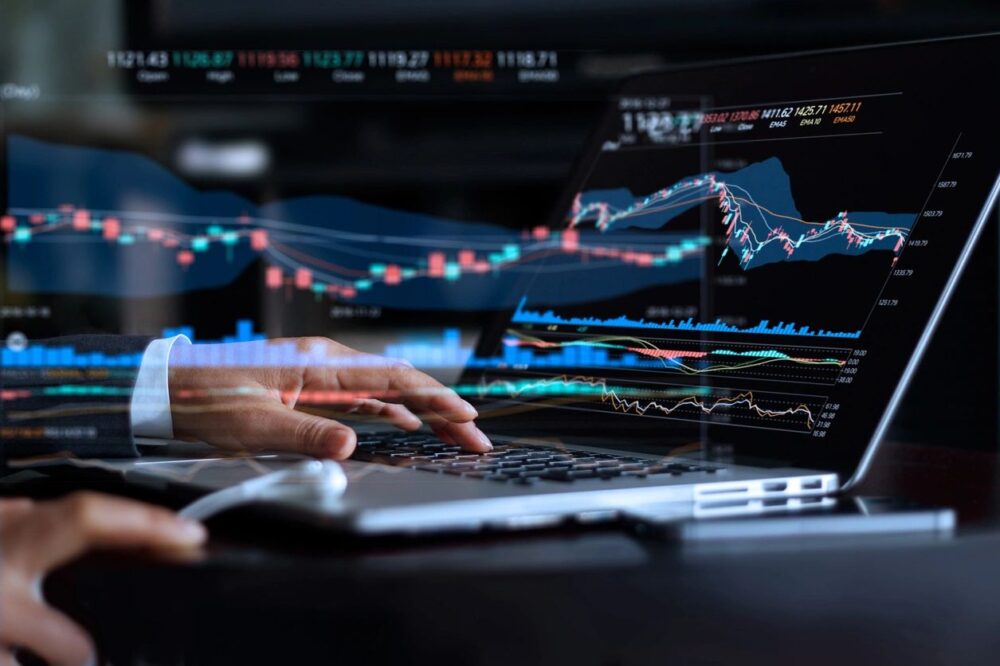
{"x": 773, "y": 241}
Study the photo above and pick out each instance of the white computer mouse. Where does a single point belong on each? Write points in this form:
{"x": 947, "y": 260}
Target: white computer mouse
{"x": 315, "y": 479}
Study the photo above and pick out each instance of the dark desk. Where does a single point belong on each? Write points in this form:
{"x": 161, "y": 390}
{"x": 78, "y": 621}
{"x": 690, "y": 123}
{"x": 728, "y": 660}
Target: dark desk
{"x": 278, "y": 595}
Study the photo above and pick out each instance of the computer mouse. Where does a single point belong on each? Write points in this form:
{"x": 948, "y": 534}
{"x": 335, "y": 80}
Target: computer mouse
{"x": 320, "y": 479}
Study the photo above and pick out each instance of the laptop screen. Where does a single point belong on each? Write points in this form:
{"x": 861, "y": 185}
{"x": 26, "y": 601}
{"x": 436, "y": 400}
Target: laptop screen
{"x": 765, "y": 246}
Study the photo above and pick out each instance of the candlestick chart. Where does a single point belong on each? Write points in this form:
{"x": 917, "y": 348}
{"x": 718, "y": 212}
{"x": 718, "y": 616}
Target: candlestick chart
{"x": 803, "y": 239}
{"x": 83, "y": 220}
{"x": 137, "y": 231}
{"x": 757, "y": 211}
{"x": 772, "y": 269}
{"x": 95, "y": 221}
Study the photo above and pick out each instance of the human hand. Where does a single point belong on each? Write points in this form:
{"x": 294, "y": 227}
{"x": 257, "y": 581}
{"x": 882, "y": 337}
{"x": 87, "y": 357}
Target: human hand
{"x": 36, "y": 537}
{"x": 247, "y": 407}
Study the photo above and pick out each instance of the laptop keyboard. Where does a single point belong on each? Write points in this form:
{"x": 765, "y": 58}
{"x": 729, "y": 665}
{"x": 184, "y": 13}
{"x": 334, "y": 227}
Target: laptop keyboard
{"x": 512, "y": 463}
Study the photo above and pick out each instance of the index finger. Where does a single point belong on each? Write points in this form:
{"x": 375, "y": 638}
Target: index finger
{"x": 393, "y": 381}
{"x": 448, "y": 415}
{"x": 68, "y": 527}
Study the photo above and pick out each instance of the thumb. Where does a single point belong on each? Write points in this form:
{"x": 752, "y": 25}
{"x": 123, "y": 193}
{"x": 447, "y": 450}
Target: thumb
{"x": 285, "y": 429}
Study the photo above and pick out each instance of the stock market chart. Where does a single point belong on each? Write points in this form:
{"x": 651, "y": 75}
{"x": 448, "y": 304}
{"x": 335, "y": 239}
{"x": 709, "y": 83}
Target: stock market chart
{"x": 236, "y": 195}
{"x": 733, "y": 253}
{"x": 825, "y": 210}
{"x": 94, "y": 207}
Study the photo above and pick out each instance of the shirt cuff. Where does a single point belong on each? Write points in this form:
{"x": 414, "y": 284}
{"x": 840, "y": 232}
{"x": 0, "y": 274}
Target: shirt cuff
{"x": 150, "y": 410}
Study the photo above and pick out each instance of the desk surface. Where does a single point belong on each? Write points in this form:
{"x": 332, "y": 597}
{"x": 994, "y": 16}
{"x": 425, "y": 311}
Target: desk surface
{"x": 601, "y": 596}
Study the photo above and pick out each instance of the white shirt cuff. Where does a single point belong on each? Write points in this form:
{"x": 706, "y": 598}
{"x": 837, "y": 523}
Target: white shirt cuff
{"x": 150, "y": 411}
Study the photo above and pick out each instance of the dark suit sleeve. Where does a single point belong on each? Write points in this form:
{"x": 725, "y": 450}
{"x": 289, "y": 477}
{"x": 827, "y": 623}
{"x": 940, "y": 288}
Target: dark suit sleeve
{"x": 49, "y": 408}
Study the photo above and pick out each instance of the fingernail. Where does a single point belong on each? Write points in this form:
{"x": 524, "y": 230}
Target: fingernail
{"x": 484, "y": 440}
{"x": 190, "y": 531}
{"x": 468, "y": 406}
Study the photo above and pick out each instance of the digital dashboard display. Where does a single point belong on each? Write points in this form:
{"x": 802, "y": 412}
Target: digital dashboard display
{"x": 747, "y": 255}
{"x": 382, "y": 197}
{"x": 795, "y": 222}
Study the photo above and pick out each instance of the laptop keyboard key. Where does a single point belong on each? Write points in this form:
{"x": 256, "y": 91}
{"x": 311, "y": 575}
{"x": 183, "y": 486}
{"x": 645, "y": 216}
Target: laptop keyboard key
{"x": 582, "y": 473}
